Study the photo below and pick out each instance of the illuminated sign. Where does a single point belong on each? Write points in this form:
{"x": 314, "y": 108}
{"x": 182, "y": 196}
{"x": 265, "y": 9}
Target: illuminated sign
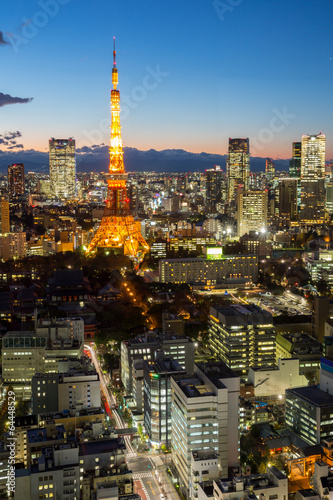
{"x": 214, "y": 253}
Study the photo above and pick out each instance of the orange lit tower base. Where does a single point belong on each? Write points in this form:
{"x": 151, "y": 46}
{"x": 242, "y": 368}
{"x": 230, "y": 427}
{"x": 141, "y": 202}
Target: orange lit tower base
{"x": 118, "y": 229}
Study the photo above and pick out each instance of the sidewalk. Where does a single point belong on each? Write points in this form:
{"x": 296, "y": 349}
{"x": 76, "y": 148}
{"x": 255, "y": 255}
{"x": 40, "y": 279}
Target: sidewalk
{"x": 164, "y": 480}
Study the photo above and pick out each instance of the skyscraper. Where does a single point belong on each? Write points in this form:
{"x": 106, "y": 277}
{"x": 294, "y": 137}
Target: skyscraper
{"x": 313, "y": 179}
{"x": 287, "y": 200}
{"x": 270, "y": 169}
{"x": 62, "y": 168}
{"x": 295, "y": 162}
{"x": 329, "y": 197}
{"x": 251, "y": 211}
{"x": 4, "y": 216}
{"x": 238, "y": 166}
{"x": 16, "y": 183}
{"x": 295, "y": 168}
{"x": 213, "y": 187}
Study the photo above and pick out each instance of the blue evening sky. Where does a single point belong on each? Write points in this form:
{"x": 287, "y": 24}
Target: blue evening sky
{"x": 192, "y": 73}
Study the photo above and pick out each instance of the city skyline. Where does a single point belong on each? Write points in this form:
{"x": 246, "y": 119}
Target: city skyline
{"x": 228, "y": 71}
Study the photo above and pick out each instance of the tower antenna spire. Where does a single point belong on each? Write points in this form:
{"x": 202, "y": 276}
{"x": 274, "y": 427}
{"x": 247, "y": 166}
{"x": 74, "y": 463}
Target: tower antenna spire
{"x": 114, "y": 51}
{"x": 114, "y": 67}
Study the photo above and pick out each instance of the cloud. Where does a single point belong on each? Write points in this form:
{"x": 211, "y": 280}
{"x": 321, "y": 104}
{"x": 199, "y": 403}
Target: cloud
{"x": 95, "y": 149}
{"x": 9, "y": 136}
{"x": 2, "y": 40}
{"x": 8, "y": 139}
{"x": 8, "y": 99}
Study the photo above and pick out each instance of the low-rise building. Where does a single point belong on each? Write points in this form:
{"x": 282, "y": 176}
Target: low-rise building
{"x": 23, "y": 354}
{"x": 59, "y": 392}
{"x": 204, "y": 467}
{"x": 13, "y": 245}
{"x": 273, "y": 381}
{"x": 322, "y": 481}
{"x": 272, "y": 485}
{"x": 302, "y": 346}
{"x": 207, "y": 271}
{"x": 320, "y": 266}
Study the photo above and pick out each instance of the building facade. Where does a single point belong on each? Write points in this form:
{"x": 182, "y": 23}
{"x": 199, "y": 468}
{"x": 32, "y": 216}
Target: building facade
{"x": 62, "y": 168}
{"x": 313, "y": 179}
{"x": 214, "y": 186}
{"x": 204, "y": 414}
{"x": 5, "y": 220}
{"x": 238, "y": 166}
{"x": 242, "y": 336}
{"x": 16, "y": 180}
{"x": 273, "y": 381}
{"x": 208, "y": 272}
{"x": 13, "y": 245}
{"x": 251, "y": 211}
{"x": 177, "y": 347}
{"x": 23, "y": 354}
{"x": 157, "y": 399}
{"x": 287, "y": 201}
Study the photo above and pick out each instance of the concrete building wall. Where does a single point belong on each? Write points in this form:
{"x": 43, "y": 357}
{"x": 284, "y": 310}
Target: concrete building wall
{"x": 274, "y": 382}
{"x": 79, "y": 390}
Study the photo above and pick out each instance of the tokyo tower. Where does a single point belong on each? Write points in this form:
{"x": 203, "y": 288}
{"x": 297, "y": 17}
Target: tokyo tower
{"x": 118, "y": 229}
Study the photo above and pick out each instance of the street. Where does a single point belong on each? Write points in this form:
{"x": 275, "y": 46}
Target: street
{"x": 149, "y": 471}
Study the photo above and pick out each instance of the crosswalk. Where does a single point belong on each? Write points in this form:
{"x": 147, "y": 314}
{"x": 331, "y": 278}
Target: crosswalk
{"x": 142, "y": 474}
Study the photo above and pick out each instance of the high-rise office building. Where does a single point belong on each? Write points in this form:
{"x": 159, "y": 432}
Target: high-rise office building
{"x": 329, "y": 197}
{"x": 213, "y": 187}
{"x": 251, "y": 211}
{"x": 287, "y": 200}
{"x": 242, "y": 336}
{"x": 309, "y": 409}
{"x": 313, "y": 179}
{"x": 178, "y": 347}
{"x": 16, "y": 182}
{"x": 295, "y": 169}
{"x": 157, "y": 397}
{"x": 62, "y": 168}
{"x": 269, "y": 170}
{"x": 295, "y": 162}
{"x": 238, "y": 166}
{"x": 204, "y": 415}
{"x": 4, "y": 216}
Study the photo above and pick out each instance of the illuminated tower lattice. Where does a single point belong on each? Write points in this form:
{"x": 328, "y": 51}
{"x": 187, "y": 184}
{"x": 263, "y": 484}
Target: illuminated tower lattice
{"x": 118, "y": 229}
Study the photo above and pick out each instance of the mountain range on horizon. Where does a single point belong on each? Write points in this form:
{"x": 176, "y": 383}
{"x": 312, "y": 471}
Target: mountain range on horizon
{"x": 96, "y": 158}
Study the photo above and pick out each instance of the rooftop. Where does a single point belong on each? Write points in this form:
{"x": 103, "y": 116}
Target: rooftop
{"x": 164, "y": 366}
{"x": 312, "y": 395}
{"x": 216, "y": 371}
{"x": 308, "y": 493}
{"x": 241, "y": 315}
{"x": 40, "y": 435}
{"x": 17, "y": 334}
{"x": 193, "y": 387}
{"x": 209, "y": 454}
{"x": 101, "y": 446}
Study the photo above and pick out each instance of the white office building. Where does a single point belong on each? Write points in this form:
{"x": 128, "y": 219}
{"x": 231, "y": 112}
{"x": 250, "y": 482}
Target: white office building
{"x": 204, "y": 415}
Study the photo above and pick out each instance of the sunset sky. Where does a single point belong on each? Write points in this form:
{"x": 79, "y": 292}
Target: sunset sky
{"x": 191, "y": 73}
